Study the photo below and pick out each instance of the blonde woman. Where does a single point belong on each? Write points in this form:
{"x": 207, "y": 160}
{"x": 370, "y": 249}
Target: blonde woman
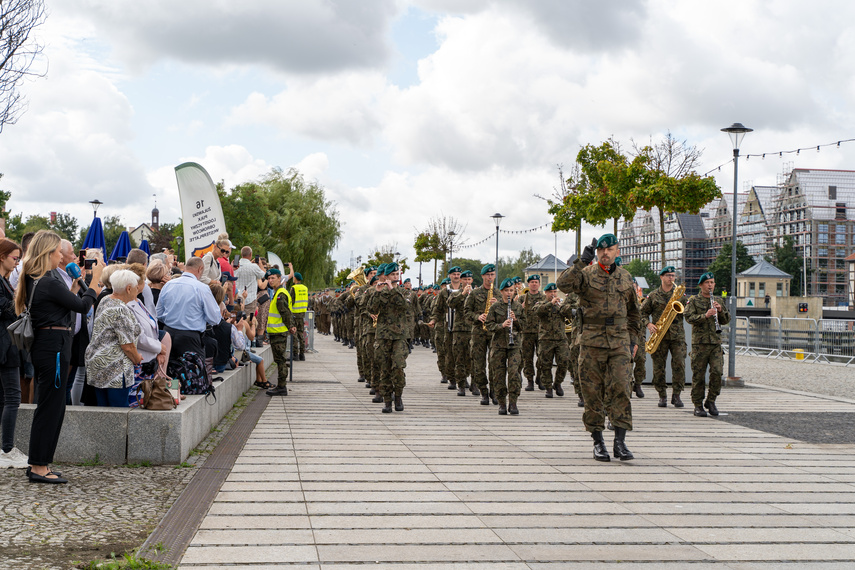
{"x": 52, "y": 308}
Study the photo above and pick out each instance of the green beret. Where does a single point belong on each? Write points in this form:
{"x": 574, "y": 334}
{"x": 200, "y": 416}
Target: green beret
{"x": 607, "y": 240}
{"x": 455, "y": 269}
{"x": 366, "y": 271}
{"x": 488, "y": 268}
{"x": 533, "y": 277}
{"x": 618, "y": 261}
{"x": 550, "y": 287}
{"x": 390, "y": 268}
{"x": 445, "y": 281}
{"x": 407, "y": 280}
{"x": 381, "y": 268}
{"x": 273, "y": 271}
{"x": 466, "y": 273}
{"x": 373, "y": 279}
{"x": 517, "y": 280}
{"x": 436, "y": 287}
{"x": 705, "y": 277}
{"x": 509, "y": 282}
{"x": 298, "y": 277}
{"x": 668, "y": 269}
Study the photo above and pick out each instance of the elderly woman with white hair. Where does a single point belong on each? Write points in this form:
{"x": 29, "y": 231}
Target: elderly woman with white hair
{"x": 112, "y": 351}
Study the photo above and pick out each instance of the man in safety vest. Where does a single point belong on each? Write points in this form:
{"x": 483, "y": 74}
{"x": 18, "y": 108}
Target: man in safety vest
{"x": 299, "y": 304}
{"x": 280, "y": 324}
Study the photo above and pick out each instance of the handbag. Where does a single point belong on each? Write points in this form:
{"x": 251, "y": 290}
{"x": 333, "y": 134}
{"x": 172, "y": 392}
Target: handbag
{"x": 155, "y": 394}
{"x": 263, "y": 298}
{"x": 21, "y": 331}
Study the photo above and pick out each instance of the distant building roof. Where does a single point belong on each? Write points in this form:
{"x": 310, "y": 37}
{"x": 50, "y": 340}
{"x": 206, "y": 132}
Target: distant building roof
{"x": 850, "y": 258}
{"x": 692, "y": 226}
{"x": 548, "y": 263}
{"x": 764, "y": 269}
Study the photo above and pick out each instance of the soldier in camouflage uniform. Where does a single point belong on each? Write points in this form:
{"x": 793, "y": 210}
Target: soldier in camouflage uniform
{"x": 701, "y": 312}
{"x": 639, "y": 363}
{"x": 575, "y": 347}
{"x": 390, "y": 346}
{"x": 552, "y": 341}
{"x": 502, "y": 322}
{"x": 280, "y": 324}
{"x": 609, "y": 318}
{"x": 674, "y": 341}
{"x": 462, "y": 334}
{"x": 363, "y": 321}
{"x": 476, "y": 313}
{"x": 443, "y": 313}
{"x": 529, "y": 337}
{"x": 413, "y": 311}
{"x": 438, "y": 326}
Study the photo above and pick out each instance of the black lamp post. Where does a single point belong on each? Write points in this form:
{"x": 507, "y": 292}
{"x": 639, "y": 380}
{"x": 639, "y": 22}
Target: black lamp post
{"x": 95, "y": 204}
{"x": 497, "y": 217}
{"x": 451, "y": 235}
{"x": 736, "y": 132}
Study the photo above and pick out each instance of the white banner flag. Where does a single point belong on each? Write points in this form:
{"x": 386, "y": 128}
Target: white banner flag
{"x": 201, "y": 211}
{"x": 273, "y": 259}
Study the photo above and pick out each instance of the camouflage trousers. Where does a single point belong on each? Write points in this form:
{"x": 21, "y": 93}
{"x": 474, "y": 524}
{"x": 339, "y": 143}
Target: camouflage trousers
{"x": 606, "y": 374}
{"x": 281, "y": 356}
{"x": 574, "y": 367}
{"x": 505, "y": 373}
{"x": 364, "y": 360}
{"x": 703, "y": 356}
{"x": 480, "y": 352}
{"x": 639, "y": 370}
{"x": 529, "y": 349}
{"x": 450, "y": 367}
{"x": 462, "y": 355}
{"x": 677, "y": 348}
{"x": 439, "y": 342}
{"x": 547, "y": 351}
{"x": 348, "y": 326}
{"x": 372, "y": 365}
{"x": 392, "y": 356}
{"x": 299, "y": 324}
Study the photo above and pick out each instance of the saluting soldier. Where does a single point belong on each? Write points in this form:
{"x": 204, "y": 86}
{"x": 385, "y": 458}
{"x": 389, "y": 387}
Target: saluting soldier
{"x": 706, "y": 314}
{"x": 476, "y": 309}
{"x": 673, "y": 341}
{"x": 502, "y": 322}
{"x": 390, "y": 346}
{"x": 552, "y": 341}
{"x": 609, "y": 321}
{"x": 529, "y": 336}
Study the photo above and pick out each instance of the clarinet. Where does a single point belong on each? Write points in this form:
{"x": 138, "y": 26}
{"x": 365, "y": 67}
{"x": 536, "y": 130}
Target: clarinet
{"x": 717, "y": 326}
{"x": 511, "y": 328}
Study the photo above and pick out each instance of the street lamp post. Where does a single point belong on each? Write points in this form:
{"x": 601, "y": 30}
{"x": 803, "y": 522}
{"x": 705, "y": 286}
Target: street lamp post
{"x": 95, "y": 203}
{"x": 451, "y": 235}
{"x": 736, "y": 132}
{"x": 497, "y": 217}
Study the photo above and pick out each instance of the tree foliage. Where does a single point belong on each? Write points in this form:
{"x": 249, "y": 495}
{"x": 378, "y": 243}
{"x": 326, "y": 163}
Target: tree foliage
{"x": 161, "y": 237}
{"x": 65, "y": 225}
{"x": 113, "y": 228}
{"x": 720, "y": 267}
{"x": 386, "y": 254}
{"x": 340, "y": 279}
{"x": 515, "y": 267}
{"x": 18, "y": 52}
{"x": 641, "y": 268}
{"x": 473, "y": 265}
{"x": 787, "y": 258}
{"x": 283, "y": 213}
{"x": 437, "y": 239}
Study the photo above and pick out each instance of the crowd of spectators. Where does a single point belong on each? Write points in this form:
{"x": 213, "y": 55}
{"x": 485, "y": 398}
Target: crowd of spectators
{"x": 97, "y": 336}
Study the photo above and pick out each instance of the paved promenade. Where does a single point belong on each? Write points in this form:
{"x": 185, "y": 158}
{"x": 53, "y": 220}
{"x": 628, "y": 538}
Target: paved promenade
{"x": 327, "y": 481}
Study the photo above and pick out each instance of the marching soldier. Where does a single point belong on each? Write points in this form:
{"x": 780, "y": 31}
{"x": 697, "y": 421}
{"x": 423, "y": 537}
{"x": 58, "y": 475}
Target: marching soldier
{"x": 442, "y": 312}
{"x": 390, "y": 306}
{"x": 529, "y": 336}
{"x": 639, "y": 363}
{"x": 461, "y": 334}
{"x": 413, "y": 311}
{"x": 673, "y": 341}
{"x": 502, "y": 322}
{"x": 706, "y": 314}
{"x": 476, "y": 309}
{"x": 609, "y": 319}
{"x": 439, "y": 325}
{"x": 552, "y": 341}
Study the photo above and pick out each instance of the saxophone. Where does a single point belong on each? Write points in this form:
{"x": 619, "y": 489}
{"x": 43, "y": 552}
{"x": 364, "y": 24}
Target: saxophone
{"x": 671, "y": 310}
{"x": 487, "y": 308}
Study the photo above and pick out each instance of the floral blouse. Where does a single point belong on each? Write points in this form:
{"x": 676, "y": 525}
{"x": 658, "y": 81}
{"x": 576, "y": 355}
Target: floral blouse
{"x": 107, "y": 366}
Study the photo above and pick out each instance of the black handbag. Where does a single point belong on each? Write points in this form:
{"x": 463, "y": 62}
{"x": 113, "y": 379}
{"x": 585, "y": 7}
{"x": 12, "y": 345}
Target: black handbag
{"x": 21, "y": 331}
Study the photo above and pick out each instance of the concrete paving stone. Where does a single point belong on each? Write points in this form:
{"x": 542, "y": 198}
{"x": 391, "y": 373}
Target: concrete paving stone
{"x": 816, "y": 508}
{"x": 800, "y": 565}
{"x": 414, "y": 486}
{"x": 569, "y": 521}
{"x": 268, "y": 460}
{"x": 433, "y": 566}
{"x": 379, "y": 478}
{"x": 253, "y": 468}
{"x": 831, "y": 521}
{"x": 394, "y": 521}
{"x": 244, "y": 537}
{"x": 586, "y": 535}
{"x": 782, "y": 552}
{"x": 666, "y": 507}
{"x": 416, "y": 553}
{"x": 592, "y": 507}
{"x": 277, "y": 554}
{"x": 456, "y": 508}
{"x": 624, "y": 565}
{"x": 416, "y": 536}
{"x": 263, "y": 522}
{"x": 520, "y": 478}
{"x": 259, "y": 497}
{"x": 732, "y": 520}
{"x": 301, "y": 566}
{"x": 601, "y": 552}
{"x": 529, "y": 496}
{"x": 255, "y": 476}
{"x": 310, "y": 469}
{"x": 379, "y": 496}
{"x": 730, "y": 497}
{"x": 257, "y": 509}
{"x": 563, "y": 484}
{"x": 261, "y": 486}
{"x": 775, "y": 535}
{"x": 662, "y": 487}
{"x": 824, "y": 487}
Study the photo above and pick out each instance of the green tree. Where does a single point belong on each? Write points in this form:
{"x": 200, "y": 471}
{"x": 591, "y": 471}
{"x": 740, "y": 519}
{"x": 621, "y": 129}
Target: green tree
{"x": 4, "y": 198}
{"x": 161, "y": 237}
{"x": 720, "y": 267}
{"x": 386, "y": 254}
{"x": 16, "y": 227}
{"x": 641, "y": 268}
{"x": 66, "y": 226}
{"x": 564, "y": 217}
{"x": 787, "y": 258}
{"x": 473, "y": 265}
{"x": 283, "y": 213}
{"x": 428, "y": 247}
{"x": 340, "y": 279}
{"x": 609, "y": 176}
{"x": 515, "y": 267}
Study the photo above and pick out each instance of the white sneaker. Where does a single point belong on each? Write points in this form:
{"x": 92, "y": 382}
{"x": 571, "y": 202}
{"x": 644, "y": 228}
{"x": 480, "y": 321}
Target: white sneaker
{"x": 14, "y": 459}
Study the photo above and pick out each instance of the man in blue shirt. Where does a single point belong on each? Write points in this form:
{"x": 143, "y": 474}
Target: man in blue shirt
{"x": 186, "y": 306}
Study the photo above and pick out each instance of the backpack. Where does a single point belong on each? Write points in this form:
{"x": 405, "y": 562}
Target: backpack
{"x": 190, "y": 370}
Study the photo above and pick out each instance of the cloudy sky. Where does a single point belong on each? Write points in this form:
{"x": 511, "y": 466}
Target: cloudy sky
{"x": 410, "y": 109}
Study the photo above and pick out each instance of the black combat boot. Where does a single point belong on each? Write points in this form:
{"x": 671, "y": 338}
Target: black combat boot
{"x": 452, "y": 385}
{"x": 675, "y": 399}
{"x": 699, "y": 412}
{"x": 351, "y": 344}
{"x": 361, "y": 379}
{"x": 503, "y": 410}
{"x": 539, "y": 384}
{"x": 581, "y": 402}
{"x": 372, "y": 391}
{"x": 485, "y": 398}
{"x": 530, "y": 386}
{"x": 302, "y": 356}
{"x": 399, "y": 404}
{"x": 512, "y": 408}
{"x": 475, "y": 390}
{"x": 621, "y": 452}
{"x": 637, "y": 390}
{"x": 559, "y": 391}
{"x": 663, "y": 403}
{"x": 600, "y": 451}
{"x": 378, "y": 398}
{"x": 444, "y": 380}
{"x": 387, "y": 408}
{"x": 710, "y": 405}
{"x": 493, "y": 397}
{"x": 461, "y": 390}
{"x": 549, "y": 392}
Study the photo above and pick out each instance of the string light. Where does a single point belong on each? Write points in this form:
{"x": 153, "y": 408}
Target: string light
{"x": 781, "y": 153}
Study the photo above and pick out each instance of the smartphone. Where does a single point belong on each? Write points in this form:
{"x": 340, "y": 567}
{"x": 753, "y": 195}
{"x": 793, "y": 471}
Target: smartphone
{"x": 256, "y": 259}
{"x": 88, "y": 263}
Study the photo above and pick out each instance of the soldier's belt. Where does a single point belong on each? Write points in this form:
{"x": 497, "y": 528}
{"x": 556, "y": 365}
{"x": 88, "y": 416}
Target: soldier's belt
{"x": 608, "y": 321}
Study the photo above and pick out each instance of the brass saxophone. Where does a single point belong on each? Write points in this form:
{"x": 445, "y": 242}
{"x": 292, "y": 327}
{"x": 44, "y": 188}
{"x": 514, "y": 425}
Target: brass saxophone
{"x": 487, "y": 308}
{"x": 671, "y": 310}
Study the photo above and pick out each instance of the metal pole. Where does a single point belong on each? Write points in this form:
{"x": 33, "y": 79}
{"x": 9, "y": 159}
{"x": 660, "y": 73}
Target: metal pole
{"x": 497, "y": 251}
{"x": 731, "y": 351}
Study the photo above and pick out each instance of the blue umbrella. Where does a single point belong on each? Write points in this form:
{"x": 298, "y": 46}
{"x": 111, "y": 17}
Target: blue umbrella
{"x": 123, "y": 247}
{"x": 95, "y": 237}
{"x": 144, "y": 247}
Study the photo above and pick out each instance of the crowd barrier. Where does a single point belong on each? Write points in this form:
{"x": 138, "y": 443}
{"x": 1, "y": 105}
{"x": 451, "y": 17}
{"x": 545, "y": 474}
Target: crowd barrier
{"x": 825, "y": 340}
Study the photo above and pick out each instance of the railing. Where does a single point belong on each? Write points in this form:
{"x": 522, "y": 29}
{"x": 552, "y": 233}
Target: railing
{"x": 823, "y": 341}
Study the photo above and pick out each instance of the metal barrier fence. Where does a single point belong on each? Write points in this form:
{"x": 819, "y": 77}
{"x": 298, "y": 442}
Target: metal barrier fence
{"x": 823, "y": 340}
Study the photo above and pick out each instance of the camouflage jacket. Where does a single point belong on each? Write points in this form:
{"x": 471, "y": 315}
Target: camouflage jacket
{"x": 551, "y": 319}
{"x": 440, "y": 309}
{"x": 652, "y": 309}
{"x": 365, "y": 321}
{"x": 608, "y": 303}
{"x": 529, "y": 319}
{"x": 390, "y": 306}
{"x": 497, "y": 315}
{"x": 474, "y": 308}
{"x": 413, "y": 310}
{"x": 703, "y": 327}
{"x": 457, "y": 302}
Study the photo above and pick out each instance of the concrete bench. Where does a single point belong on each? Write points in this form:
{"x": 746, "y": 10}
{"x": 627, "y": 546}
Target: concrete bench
{"x": 132, "y": 435}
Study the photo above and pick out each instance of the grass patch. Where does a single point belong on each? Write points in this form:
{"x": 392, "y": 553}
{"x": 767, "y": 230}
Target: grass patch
{"x": 127, "y": 561}
{"x": 183, "y": 465}
{"x": 145, "y": 463}
{"x": 94, "y": 462}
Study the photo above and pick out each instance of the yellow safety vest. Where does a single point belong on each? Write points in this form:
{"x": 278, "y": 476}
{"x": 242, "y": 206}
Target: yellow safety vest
{"x": 301, "y": 299}
{"x": 274, "y": 319}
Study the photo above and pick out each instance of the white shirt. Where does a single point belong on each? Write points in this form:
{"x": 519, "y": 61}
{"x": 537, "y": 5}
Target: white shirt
{"x": 248, "y": 275}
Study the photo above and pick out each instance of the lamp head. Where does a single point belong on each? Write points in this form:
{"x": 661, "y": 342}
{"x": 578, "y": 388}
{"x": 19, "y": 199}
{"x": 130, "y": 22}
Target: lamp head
{"x": 736, "y": 132}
